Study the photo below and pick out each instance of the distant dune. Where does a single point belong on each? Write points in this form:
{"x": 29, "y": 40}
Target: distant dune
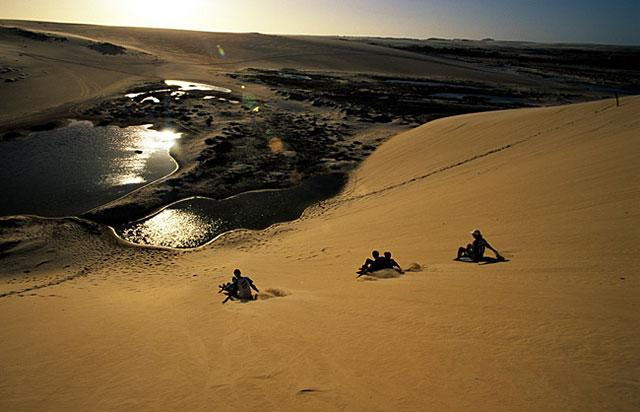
{"x": 555, "y": 328}
{"x": 78, "y": 70}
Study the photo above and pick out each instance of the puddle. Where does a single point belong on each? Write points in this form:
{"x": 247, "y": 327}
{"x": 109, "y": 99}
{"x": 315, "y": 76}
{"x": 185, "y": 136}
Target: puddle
{"x": 183, "y": 88}
{"x": 73, "y": 169}
{"x": 196, "y": 221}
{"x": 134, "y": 95}
{"x": 294, "y": 76}
{"x": 186, "y": 86}
{"x": 150, "y": 99}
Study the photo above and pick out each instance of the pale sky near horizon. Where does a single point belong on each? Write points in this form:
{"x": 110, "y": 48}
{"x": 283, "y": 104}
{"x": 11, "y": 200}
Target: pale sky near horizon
{"x": 581, "y": 21}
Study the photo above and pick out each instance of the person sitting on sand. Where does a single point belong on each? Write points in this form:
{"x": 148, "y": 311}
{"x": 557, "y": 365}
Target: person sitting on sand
{"x": 371, "y": 265}
{"x": 475, "y": 250}
{"x": 243, "y": 286}
{"x": 390, "y": 263}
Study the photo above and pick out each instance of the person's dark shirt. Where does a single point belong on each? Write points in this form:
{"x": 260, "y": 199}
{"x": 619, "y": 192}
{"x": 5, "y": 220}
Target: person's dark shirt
{"x": 379, "y": 263}
{"x": 479, "y": 245}
{"x": 391, "y": 263}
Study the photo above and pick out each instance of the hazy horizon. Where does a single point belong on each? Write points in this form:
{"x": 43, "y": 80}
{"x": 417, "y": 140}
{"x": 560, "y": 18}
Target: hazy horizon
{"x": 546, "y": 22}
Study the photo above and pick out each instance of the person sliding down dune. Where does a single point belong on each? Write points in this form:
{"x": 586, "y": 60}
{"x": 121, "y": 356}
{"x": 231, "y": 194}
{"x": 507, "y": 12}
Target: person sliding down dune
{"x": 371, "y": 265}
{"x": 390, "y": 263}
{"x": 244, "y": 286}
{"x": 239, "y": 287}
{"x": 475, "y": 251}
{"x": 378, "y": 263}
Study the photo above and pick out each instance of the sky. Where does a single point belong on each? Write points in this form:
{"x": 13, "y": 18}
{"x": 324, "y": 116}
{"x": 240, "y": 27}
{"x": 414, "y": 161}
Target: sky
{"x": 576, "y": 21}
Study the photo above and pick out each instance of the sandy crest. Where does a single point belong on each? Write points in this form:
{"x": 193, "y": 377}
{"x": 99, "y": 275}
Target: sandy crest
{"x": 553, "y": 329}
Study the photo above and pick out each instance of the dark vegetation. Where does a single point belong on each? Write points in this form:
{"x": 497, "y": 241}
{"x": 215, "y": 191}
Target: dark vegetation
{"x": 379, "y": 99}
{"x": 108, "y": 48}
{"x": 609, "y": 66}
{"x": 38, "y": 36}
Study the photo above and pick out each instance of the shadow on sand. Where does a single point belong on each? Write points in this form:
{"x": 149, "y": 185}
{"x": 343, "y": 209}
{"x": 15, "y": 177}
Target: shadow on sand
{"x": 483, "y": 261}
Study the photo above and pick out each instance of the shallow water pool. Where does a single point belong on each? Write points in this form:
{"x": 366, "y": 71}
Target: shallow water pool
{"x": 70, "y": 170}
{"x": 196, "y": 221}
{"x": 186, "y": 86}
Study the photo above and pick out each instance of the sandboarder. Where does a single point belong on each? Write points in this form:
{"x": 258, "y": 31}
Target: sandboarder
{"x": 371, "y": 265}
{"x": 239, "y": 287}
{"x": 475, "y": 250}
{"x": 390, "y": 263}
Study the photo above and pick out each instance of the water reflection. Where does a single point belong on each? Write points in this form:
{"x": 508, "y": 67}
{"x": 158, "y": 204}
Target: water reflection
{"x": 183, "y": 88}
{"x": 195, "y": 221}
{"x": 154, "y": 140}
{"x": 184, "y": 85}
{"x": 70, "y": 170}
{"x": 294, "y": 76}
{"x": 150, "y": 99}
{"x": 147, "y": 145}
{"x": 173, "y": 228}
{"x": 133, "y": 96}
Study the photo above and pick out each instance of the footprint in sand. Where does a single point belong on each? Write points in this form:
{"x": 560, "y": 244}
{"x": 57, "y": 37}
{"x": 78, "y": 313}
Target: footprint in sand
{"x": 309, "y": 391}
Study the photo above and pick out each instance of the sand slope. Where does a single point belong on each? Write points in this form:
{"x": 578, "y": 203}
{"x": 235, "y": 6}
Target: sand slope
{"x": 556, "y": 328}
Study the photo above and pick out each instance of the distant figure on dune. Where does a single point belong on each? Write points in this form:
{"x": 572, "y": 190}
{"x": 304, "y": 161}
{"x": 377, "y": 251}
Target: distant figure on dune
{"x": 378, "y": 263}
{"x": 390, "y": 263}
{"x": 475, "y": 250}
{"x": 239, "y": 287}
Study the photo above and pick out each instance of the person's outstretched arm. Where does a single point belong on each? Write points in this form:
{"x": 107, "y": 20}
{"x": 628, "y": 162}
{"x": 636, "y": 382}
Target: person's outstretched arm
{"x": 253, "y": 286}
{"x": 396, "y": 266}
{"x": 498, "y": 255}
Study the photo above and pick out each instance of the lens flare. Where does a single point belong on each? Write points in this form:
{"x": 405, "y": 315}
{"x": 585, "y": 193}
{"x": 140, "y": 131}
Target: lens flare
{"x": 276, "y": 145}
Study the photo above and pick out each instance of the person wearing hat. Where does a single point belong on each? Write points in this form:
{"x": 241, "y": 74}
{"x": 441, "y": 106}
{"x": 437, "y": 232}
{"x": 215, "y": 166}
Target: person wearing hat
{"x": 476, "y": 249}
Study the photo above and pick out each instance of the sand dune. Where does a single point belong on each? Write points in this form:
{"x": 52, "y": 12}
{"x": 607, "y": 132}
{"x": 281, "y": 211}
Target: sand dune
{"x": 268, "y": 51}
{"x": 555, "y": 328}
{"x": 57, "y": 79}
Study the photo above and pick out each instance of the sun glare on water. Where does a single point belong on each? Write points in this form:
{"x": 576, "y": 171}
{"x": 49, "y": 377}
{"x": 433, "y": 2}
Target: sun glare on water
{"x": 159, "y": 140}
{"x": 143, "y": 144}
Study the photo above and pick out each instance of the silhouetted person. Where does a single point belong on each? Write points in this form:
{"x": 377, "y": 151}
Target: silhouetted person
{"x": 390, "y": 263}
{"x": 243, "y": 286}
{"x": 371, "y": 265}
{"x": 476, "y": 249}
